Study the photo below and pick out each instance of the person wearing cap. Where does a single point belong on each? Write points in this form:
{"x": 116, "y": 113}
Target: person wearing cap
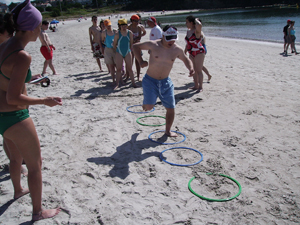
{"x": 156, "y": 32}
{"x": 122, "y": 44}
{"x": 286, "y": 37}
{"x": 156, "y": 82}
{"x": 137, "y": 33}
{"x": 109, "y": 52}
{"x": 16, "y": 126}
{"x": 195, "y": 49}
{"x": 94, "y": 33}
{"x": 46, "y": 48}
{"x": 292, "y": 37}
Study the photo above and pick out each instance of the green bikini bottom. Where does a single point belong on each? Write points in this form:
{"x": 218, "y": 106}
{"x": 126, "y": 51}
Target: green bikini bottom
{"x": 8, "y": 119}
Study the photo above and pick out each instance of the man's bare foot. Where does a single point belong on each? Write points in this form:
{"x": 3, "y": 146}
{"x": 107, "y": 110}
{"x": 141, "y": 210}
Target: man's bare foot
{"x": 21, "y": 193}
{"x": 116, "y": 87}
{"x": 45, "y": 214}
{"x": 135, "y": 86}
{"x": 171, "y": 134}
{"x": 209, "y": 78}
{"x": 55, "y": 74}
{"x": 199, "y": 90}
{"x": 193, "y": 88}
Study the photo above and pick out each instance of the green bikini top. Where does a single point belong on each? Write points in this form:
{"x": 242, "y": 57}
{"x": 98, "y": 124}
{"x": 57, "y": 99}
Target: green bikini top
{"x": 28, "y": 77}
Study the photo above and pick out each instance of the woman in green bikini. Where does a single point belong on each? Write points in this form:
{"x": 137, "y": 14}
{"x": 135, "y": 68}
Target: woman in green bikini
{"x": 122, "y": 44}
{"x": 16, "y": 126}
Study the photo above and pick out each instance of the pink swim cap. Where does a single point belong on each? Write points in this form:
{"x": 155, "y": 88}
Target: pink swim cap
{"x": 29, "y": 17}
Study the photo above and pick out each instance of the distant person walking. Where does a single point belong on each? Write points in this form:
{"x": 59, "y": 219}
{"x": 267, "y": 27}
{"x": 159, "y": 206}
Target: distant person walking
{"x": 156, "y": 32}
{"x": 286, "y": 37}
{"x": 94, "y": 33}
{"x": 292, "y": 37}
{"x": 46, "y": 48}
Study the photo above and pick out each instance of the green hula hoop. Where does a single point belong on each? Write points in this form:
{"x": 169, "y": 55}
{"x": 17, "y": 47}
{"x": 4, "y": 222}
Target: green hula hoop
{"x": 217, "y": 200}
{"x": 150, "y": 124}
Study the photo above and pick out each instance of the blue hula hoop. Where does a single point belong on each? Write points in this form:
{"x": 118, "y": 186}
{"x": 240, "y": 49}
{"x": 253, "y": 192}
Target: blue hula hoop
{"x": 138, "y": 112}
{"x": 164, "y": 143}
{"x": 174, "y": 164}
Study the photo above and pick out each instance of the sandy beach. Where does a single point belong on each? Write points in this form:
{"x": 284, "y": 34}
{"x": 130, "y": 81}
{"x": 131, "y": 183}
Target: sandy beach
{"x": 100, "y": 167}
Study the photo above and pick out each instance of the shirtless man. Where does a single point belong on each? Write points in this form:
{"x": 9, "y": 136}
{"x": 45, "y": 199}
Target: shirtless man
{"x": 95, "y": 32}
{"x": 46, "y": 48}
{"x": 156, "y": 82}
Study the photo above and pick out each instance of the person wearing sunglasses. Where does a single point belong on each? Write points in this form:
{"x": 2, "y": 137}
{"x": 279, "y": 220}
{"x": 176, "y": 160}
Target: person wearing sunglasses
{"x": 156, "y": 82}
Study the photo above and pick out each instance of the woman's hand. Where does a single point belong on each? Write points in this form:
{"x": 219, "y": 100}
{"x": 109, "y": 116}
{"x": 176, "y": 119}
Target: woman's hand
{"x": 52, "y": 101}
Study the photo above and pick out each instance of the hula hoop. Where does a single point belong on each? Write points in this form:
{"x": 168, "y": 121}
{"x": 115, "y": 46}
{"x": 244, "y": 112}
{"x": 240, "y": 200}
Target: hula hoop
{"x": 138, "y": 112}
{"x": 174, "y": 164}
{"x": 164, "y": 143}
{"x": 217, "y": 200}
{"x": 150, "y": 124}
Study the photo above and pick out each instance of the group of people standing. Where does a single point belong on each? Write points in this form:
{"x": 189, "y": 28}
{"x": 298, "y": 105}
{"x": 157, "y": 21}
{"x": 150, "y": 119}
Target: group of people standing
{"x": 115, "y": 46}
{"x": 24, "y": 25}
{"x": 289, "y": 36}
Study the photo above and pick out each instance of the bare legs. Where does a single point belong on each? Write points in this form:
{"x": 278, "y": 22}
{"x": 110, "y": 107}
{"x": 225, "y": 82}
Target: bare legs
{"x": 198, "y": 61}
{"x": 22, "y": 143}
{"x": 170, "y": 115}
{"x": 119, "y": 64}
{"x": 111, "y": 69}
{"x": 50, "y": 64}
{"x": 99, "y": 64}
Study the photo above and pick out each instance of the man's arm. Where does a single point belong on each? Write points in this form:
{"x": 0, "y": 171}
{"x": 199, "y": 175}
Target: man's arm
{"x": 187, "y": 62}
{"x": 137, "y": 49}
{"x": 91, "y": 38}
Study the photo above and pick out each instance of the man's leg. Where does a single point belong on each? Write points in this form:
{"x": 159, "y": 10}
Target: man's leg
{"x": 51, "y": 66}
{"x": 46, "y": 63}
{"x": 99, "y": 64}
{"x": 170, "y": 115}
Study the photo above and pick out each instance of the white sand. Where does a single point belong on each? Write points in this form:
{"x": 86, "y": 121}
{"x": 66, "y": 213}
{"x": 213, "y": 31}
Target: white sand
{"x": 101, "y": 168}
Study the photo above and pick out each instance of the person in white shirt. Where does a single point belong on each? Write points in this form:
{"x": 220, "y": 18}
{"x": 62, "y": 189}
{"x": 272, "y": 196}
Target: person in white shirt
{"x": 156, "y": 32}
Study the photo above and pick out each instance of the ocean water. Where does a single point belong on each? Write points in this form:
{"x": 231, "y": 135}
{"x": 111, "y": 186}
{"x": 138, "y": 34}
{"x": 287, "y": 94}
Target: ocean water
{"x": 265, "y": 24}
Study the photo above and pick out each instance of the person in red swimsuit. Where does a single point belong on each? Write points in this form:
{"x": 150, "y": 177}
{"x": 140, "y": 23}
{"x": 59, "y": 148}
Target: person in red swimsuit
{"x": 195, "y": 50}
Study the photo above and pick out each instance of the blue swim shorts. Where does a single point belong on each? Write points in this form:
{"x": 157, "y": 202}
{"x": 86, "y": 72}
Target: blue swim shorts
{"x": 153, "y": 88}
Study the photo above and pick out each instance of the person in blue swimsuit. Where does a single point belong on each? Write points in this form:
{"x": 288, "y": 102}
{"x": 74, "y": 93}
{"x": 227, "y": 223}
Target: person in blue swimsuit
{"x": 122, "y": 44}
{"x": 292, "y": 37}
{"x": 16, "y": 126}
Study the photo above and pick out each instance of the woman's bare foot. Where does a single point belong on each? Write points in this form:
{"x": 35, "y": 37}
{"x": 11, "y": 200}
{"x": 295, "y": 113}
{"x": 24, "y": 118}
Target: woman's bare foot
{"x": 193, "y": 88}
{"x": 116, "y": 87}
{"x": 135, "y": 86}
{"x": 45, "y": 214}
{"x": 21, "y": 193}
{"x": 199, "y": 90}
{"x": 171, "y": 134}
{"x": 209, "y": 78}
